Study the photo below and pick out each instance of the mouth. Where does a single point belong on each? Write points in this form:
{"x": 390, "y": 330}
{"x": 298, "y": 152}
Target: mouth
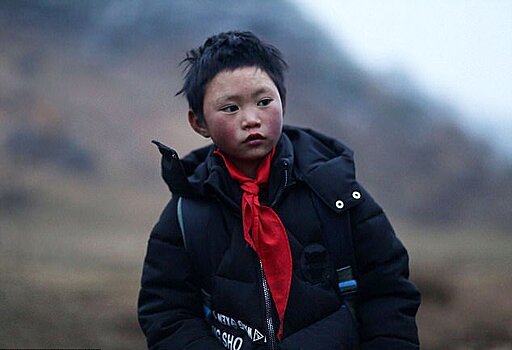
{"x": 254, "y": 137}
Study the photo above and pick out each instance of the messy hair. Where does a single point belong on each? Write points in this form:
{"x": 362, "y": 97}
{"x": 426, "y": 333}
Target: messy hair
{"x": 229, "y": 51}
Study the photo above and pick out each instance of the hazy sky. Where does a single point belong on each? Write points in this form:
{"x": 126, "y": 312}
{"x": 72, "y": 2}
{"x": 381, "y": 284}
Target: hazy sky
{"x": 457, "y": 50}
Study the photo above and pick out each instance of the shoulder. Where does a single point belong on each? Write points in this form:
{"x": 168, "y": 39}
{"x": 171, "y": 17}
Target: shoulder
{"x": 326, "y": 166}
{"x": 306, "y": 140}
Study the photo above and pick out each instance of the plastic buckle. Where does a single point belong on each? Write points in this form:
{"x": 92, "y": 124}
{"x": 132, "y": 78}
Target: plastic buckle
{"x": 346, "y": 282}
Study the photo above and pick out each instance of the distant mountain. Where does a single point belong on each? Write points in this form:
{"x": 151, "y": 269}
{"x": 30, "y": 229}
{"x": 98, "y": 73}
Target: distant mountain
{"x": 108, "y": 72}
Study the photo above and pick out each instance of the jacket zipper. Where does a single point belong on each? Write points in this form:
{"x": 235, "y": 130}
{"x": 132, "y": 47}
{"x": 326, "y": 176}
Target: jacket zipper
{"x": 281, "y": 190}
{"x": 268, "y": 311}
{"x": 272, "y": 343}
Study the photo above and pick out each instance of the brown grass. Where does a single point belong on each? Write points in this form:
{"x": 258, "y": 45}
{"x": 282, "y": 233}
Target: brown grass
{"x": 466, "y": 280}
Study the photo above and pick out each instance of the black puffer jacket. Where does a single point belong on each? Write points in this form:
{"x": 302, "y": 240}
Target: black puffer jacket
{"x": 313, "y": 189}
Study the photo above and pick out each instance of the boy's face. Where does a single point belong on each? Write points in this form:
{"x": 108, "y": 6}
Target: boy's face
{"x": 242, "y": 114}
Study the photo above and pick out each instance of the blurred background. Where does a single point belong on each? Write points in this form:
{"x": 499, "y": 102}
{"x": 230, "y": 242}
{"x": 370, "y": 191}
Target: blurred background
{"x": 420, "y": 90}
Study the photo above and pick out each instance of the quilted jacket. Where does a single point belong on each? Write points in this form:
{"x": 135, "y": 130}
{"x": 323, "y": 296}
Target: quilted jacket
{"x": 313, "y": 189}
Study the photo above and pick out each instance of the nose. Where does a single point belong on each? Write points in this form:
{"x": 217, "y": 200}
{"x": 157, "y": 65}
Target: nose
{"x": 251, "y": 119}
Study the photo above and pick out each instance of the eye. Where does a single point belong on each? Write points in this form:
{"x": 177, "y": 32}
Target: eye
{"x": 229, "y": 109}
{"x": 264, "y": 102}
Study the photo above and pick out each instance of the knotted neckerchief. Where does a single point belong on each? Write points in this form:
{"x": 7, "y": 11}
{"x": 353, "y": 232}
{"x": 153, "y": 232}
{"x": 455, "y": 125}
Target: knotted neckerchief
{"x": 265, "y": 233}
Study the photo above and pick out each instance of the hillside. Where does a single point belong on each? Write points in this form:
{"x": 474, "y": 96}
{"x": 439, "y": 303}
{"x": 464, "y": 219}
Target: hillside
{"x": 87, "y": 85}
{"x": 109, "y": 71}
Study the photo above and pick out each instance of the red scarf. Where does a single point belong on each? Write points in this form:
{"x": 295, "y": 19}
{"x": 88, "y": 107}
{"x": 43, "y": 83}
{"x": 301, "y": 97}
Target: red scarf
{"x": 265, "y": 233}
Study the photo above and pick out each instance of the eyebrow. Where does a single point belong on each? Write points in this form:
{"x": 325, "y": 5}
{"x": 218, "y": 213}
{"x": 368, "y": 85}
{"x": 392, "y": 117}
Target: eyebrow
{"x": 259, "y": 91}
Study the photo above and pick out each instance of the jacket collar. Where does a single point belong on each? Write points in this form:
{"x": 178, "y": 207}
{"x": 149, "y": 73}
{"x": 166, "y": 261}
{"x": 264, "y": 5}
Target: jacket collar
{"x": 326, "y": 166}
{"x": 323, "y": 163}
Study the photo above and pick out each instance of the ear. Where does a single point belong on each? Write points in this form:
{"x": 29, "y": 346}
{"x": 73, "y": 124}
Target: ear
{"x": 198, "y": 125}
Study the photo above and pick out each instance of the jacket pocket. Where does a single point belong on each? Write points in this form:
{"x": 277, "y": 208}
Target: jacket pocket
{"x": 335, "y": 332}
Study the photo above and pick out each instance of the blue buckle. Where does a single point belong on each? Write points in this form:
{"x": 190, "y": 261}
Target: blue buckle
{"x": 348, "y": 287}
{"x": 346, "y": 282}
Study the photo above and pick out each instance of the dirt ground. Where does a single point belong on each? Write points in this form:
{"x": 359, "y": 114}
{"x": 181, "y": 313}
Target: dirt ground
{"x": 71, "y": 257}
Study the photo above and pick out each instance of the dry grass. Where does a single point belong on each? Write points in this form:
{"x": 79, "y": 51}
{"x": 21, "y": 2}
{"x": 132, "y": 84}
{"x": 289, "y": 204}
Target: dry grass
{"x": 466, "y": 280}
{"x": 70, "y": 268}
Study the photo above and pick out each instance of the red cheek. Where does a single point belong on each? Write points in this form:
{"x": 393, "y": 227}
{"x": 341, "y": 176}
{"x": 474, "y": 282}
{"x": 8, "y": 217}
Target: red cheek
{"x": 225, "y": 133}
{"x": 275, "y": 123}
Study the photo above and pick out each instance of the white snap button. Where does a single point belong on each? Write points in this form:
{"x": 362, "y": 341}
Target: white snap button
{"x": 356, "y": 195}
{"x": 340, "y": 204}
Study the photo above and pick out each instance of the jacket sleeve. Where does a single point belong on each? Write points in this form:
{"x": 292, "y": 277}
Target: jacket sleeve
{"x": 387, "y": 302}
{"x": 170, "y": 308}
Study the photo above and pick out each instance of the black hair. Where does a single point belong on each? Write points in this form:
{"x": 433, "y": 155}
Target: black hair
{"x": 229, "y": 51}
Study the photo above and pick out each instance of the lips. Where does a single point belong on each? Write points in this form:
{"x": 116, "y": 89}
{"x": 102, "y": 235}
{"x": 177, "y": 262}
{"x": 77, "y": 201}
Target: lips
{"x": 253, "y": 137}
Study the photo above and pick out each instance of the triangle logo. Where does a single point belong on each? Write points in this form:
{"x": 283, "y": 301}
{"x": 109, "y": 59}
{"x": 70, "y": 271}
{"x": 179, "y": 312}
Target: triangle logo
{"x": 257, "y": 335}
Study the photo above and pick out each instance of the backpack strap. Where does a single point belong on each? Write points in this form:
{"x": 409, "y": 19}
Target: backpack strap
{"x": 194, "y": 215}
{"x": 339, "y": 244}
{"x": 338, "y": 241}
{"x": 180, "y": 221}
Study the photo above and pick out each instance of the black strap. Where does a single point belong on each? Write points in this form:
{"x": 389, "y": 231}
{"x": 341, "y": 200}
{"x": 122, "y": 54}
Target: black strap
{"x": 338, "y": 241}
{"x": 194, "y": 216}
{"x": 340, "y": 246}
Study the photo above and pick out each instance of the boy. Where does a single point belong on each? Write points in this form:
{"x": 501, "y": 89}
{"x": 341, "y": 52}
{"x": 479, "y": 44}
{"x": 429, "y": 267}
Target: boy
{"x": 258, "y": 245}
